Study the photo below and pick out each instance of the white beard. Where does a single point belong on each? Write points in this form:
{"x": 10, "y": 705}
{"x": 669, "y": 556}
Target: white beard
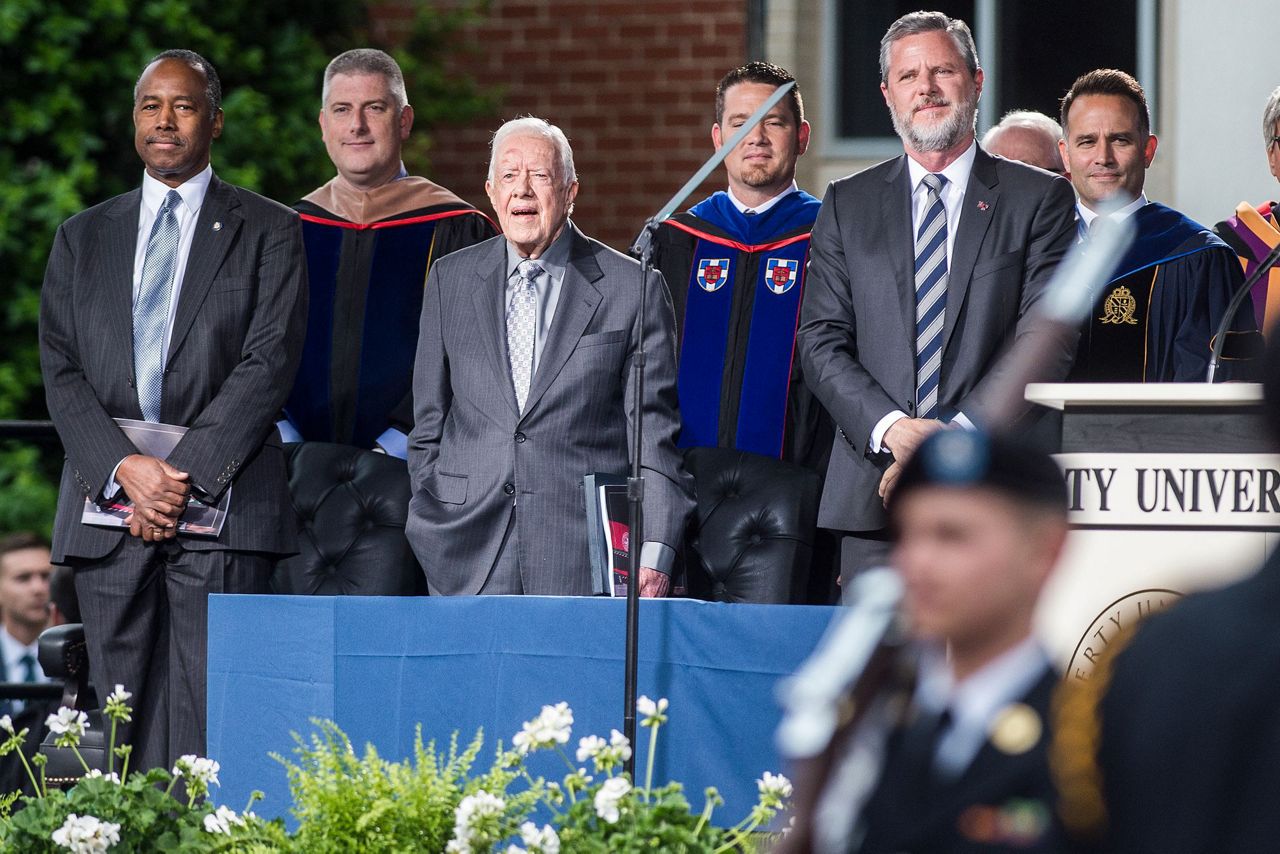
{"x": 940, "y": 136}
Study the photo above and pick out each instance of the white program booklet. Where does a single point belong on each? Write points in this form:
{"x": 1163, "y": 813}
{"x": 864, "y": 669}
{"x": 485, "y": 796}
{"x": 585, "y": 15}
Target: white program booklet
{"x": 158, "y": 440}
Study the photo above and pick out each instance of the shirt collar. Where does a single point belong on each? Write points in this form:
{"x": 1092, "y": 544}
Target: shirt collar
{"x": 956, "y": 173}
{"x": 761, "y": 208}
{"x": 192, "y": 191}
{"x": 554, "y": 260}
{"x": 1087, "y": 215}
{"x": 979, "y": 697}
{"x": 13, "y": 650}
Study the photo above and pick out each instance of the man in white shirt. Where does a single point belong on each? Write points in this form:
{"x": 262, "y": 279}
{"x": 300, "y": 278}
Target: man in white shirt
{"x": 25, "y": 569}
{"x": 923, "y": 272}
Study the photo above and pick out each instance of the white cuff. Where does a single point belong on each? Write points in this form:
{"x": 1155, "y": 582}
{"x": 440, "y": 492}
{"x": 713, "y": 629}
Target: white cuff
{"x": 882, "y": 427}
{"x": 659, "y": 556}
{"x": 109, "y": 491}
{"x": 288, "y": 433}
{"x": 962, "y": 420}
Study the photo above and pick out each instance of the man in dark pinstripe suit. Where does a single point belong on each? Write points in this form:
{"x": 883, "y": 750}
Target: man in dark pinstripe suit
{"x": 182, "y": 302}
{"x": 523, "y": 384}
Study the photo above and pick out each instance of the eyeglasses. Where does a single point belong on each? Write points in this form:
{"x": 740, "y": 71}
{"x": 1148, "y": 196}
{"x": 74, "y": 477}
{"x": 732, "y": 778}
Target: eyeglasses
{"x": 1275, "y": 140}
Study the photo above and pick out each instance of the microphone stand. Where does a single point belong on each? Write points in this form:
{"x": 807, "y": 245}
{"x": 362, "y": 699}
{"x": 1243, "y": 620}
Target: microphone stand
{"x": 643, "y": 248}
{"x": 1219, "y": 339}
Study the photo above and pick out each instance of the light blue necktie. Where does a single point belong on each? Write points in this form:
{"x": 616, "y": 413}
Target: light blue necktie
{"x": 931, "y": 297}
{"x": 151, "y": 310}
{"x": 522, "y": 315}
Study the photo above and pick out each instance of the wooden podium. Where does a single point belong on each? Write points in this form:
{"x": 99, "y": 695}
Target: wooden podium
{"x": 1173, "y": 488}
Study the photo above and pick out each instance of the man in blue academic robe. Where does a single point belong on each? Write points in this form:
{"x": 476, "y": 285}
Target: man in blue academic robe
{"x": 1156, "y": 318}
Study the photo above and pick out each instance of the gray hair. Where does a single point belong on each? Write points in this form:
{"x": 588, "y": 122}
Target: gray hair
{"x": 916, "y": 23}
{"x": 1024, "y": 119}
{"x": 367, "y": 60}
{"x": 532, "y": 126}
{"x": 1271, "y": 115}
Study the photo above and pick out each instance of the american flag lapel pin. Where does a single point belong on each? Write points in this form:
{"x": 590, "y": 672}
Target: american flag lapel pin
{"x": 982, "y": 206}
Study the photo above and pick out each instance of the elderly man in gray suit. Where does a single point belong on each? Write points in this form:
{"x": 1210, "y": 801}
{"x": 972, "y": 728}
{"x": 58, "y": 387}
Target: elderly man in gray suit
{"x": 524, "y": 383}
{"x": 923, "y": 272}
{"x": 183, "y": 302}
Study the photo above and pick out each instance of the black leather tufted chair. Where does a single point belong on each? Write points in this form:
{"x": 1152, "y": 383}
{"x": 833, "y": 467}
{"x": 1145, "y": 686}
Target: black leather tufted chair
{"x": 752, "y": 538}
{"x": 351, "y": 506}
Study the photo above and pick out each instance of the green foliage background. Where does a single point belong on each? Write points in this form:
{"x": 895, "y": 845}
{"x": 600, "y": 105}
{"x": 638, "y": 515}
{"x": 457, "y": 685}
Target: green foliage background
{"x": 67, "y": 69}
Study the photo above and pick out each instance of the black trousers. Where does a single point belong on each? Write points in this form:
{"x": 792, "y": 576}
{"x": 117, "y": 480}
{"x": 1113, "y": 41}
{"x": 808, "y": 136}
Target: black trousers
{"x": 146, "y": 621}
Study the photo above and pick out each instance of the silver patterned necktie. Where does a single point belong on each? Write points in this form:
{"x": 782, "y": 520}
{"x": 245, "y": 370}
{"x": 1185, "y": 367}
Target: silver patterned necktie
{"x": 151, "y": 310}
{"x": 522, "y": 315}
{"x": 931, "y": 297}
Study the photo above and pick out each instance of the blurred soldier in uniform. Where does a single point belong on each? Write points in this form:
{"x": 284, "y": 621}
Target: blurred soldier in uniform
{"x": 961, "y": 741}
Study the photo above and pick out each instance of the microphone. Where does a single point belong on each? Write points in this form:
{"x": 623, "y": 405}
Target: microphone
{"x": 1220, "y": 337}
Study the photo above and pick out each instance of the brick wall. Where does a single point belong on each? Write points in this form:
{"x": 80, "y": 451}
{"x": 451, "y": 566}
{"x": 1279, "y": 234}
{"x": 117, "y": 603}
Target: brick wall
{"x": 631, "y": 82}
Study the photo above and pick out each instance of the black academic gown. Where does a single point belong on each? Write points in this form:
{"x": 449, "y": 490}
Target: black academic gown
{"x": 1155, "y": 320}
{"x": 1002, "y": 803}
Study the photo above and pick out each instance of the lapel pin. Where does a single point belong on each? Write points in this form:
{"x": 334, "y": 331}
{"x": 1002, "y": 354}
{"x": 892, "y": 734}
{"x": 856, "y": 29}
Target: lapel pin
{"x": 1016, "y": 729}
{"x": 982, "y": 206}
{"x": 217, "y": 226}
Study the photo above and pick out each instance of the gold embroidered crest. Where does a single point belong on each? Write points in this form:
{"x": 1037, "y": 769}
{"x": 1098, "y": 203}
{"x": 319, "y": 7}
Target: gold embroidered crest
{"x": 1119, "y": 307}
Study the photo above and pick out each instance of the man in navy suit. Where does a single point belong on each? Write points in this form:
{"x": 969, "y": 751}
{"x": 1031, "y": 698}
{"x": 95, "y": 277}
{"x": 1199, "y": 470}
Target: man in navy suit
{"x": 182, "y": 302}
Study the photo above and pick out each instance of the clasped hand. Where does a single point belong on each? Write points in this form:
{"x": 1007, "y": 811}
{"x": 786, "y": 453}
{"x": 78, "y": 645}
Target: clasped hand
{"x": 159, "y": 493}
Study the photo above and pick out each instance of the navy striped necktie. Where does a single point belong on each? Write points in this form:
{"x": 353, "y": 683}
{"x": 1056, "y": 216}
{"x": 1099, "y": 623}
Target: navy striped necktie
{"x": 931, "y": 297}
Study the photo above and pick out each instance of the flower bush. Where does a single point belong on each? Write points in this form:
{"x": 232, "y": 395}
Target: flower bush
{"x": 344, "y": 802}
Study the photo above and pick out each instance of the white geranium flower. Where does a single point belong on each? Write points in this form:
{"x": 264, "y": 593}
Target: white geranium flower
{"x": 119, "y": 695}
{"x": 69, "y": 722}
{"x": 6, "y": 724}
{"x": 96, "y": 773}
{"x": 470, "y": 820}
{"x": 775, "y": 789}
{"x": 552, "y": 726}
{"x": 197, "y": 769}
{"x": 516, "y": 849}
{"x": 86, "y": 834}
{"x": 590, "y": 747}
{"x": 222, "y": 820}
{"x": 621, "y": 746}
{"x": 540, "y": 840}
{"x": 652, "y": 712}
{"x": 611, "y": 792}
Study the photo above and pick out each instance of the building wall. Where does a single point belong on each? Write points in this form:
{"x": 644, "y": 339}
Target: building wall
{"x": 1215, "y": 72}
{"x": 631, "y": 83}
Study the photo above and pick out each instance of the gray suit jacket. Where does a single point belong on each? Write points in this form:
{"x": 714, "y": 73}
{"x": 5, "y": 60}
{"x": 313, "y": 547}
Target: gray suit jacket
{"x": 474, "y": 460}
{"x": 236, "y": 340}
{"x": 857, "y": 324}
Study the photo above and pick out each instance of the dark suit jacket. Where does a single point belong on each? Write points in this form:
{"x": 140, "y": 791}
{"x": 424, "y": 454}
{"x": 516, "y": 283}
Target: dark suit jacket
{"x": 976, "y": 812}
{"x": 474, "y": 460}
{"x": 1190, "y": 727}
{"x": 236, "y": 339}
{"x": 857, "y": 323}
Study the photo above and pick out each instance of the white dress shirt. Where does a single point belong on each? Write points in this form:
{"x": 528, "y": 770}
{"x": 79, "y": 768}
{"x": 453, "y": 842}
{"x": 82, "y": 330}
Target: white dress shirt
{"x": 13, "y": 650}
{"x": 188, "y": 212}
{"x": 957, "y": 175}
{"x": 975, "y": 702}
{"x": 744, "y": 208}
{"x": 1087, "y": 214}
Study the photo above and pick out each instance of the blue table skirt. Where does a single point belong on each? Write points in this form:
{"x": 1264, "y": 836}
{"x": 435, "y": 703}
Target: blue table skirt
{"x": 380, "y": 666}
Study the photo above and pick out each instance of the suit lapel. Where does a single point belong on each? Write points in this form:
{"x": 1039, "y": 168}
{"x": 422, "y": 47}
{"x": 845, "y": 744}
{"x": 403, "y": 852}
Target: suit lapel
{"x": 980, "y": 201}
{"x": 209, "y": 246}
{"x": 578, "y": 301}
{"x": 895, "y": 211}
{"x": 489, "y": 297}
{"x": 119, "y": 244}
